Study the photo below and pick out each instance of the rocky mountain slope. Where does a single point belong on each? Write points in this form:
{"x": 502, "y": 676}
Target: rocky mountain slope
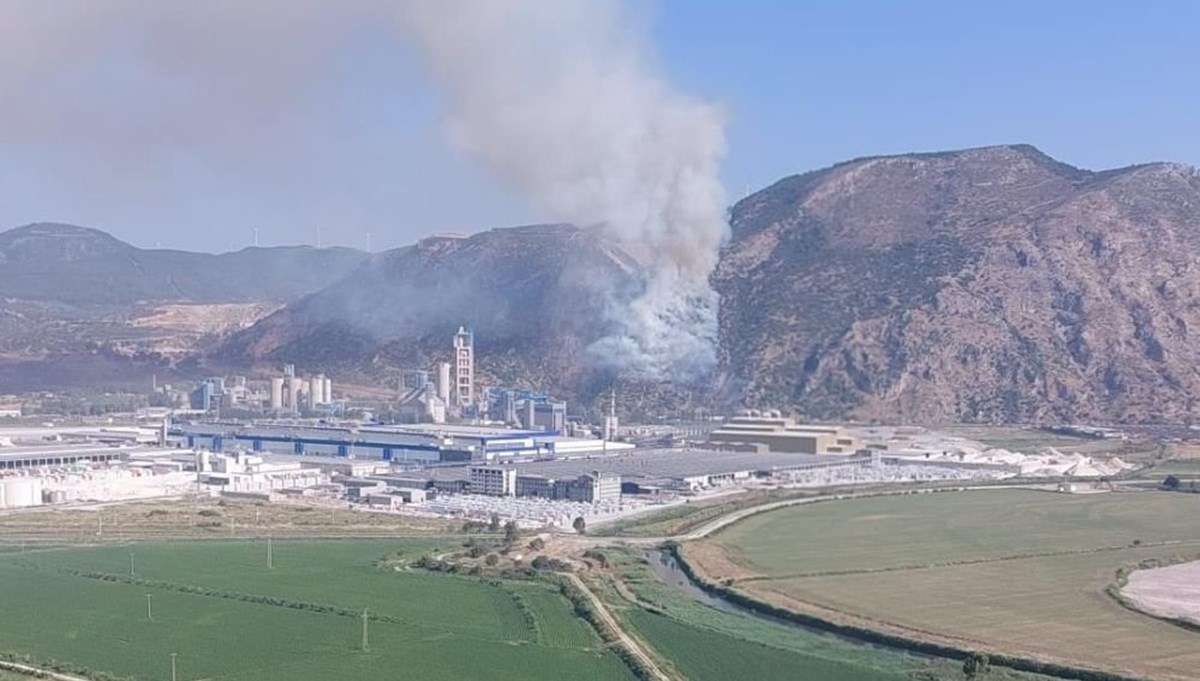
{"x": 528, "y": 293}
{"x": 990, "y": 284}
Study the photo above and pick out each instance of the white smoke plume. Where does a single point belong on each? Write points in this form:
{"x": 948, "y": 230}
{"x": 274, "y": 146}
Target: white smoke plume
{"x": 559, "y": 99}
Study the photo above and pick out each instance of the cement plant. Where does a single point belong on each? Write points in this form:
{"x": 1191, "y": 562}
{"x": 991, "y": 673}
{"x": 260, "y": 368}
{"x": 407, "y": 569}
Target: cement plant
{"x": 299, "y": 473}
{"x": 597, "y": 340}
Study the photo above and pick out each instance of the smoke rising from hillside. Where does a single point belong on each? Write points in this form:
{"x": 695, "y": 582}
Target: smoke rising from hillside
{"x": 559, "y": 100}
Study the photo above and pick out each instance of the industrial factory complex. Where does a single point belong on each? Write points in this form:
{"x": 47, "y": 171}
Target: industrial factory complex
{"x": 458, "y": 449}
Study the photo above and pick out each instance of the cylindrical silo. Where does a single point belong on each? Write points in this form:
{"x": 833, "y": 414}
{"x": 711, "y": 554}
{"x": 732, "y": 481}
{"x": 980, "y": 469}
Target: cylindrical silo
{"x": 328, "y": 389}
{"x": 21, "y": 492}
{"x": 277, "y": 393}
{"x": 292, "y": 390}
{"x": 443, "y": 381}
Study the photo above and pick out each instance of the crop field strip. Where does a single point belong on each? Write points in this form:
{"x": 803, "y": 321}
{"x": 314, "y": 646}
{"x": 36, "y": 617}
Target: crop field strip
{"x": 704, "y": 655}
{"x": 1005, "y": 591}
{"x": 229, "y": 617}
{"x": 703, "y": 643}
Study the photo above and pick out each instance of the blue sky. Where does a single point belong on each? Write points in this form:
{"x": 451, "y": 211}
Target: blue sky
{"x": 350, "y": 139}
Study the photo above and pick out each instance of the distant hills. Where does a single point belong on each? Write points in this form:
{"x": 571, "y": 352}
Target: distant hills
{"x": 993, "y": 284}
{"x": 69, "y": 264}
{"x": 80, "y": 308}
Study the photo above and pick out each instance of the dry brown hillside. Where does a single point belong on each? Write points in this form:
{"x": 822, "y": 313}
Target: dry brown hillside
{"x": 990, "y": 284}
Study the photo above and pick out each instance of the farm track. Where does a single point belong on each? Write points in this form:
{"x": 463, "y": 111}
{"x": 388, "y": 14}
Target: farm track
{"x": 39, "y": 673}
{"x": 628, "y": 640}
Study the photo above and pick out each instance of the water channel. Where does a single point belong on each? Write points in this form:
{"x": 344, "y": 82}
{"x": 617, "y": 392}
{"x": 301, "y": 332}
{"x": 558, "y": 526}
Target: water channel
{"x": 667, "y": 570}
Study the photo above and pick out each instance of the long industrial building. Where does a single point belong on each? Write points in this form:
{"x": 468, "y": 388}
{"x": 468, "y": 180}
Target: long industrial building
{"x": 775, "y": 433}
{"x": 45, "y": 456}
{"x": 638, "y": 472}
{"x": 412, "y": 444}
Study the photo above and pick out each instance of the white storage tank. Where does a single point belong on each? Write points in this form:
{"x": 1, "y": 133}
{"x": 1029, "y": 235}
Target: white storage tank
{"x": 20, "y": 492}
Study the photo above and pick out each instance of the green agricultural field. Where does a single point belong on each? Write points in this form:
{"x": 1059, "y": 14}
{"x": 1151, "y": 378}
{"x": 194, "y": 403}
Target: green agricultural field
{"x": 1014, "y": 571}
{"x": 245, "y": 624}
{"x": 704, "y": 655}
{"x": 556, "y": 622}
{"x": 703, "y": 642}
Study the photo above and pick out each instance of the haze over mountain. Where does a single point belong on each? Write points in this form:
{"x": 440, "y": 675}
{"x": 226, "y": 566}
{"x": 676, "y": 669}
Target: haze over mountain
{"x": 528, "y": 293}
{"x": 79, "y": 307}
{"x": 65, "y": 263}
{"x": 991, "y": 284}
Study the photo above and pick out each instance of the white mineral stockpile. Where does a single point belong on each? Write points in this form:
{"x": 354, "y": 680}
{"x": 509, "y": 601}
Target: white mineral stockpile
{"x": 119, "y": 484}
{"x": 931, "y": 447}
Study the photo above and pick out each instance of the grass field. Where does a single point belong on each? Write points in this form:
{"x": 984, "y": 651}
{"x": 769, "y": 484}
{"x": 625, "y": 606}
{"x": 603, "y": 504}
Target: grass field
{"x": 204, "y": 519}
{"x": 446, "y": 627}
{"x": 705, "y": 643}
{"x": 1008, "y": 570}
{"x": 705, "y": 655}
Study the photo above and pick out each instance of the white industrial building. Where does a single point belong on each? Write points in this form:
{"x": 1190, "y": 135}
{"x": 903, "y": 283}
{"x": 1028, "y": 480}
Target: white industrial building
{"x": 242, "y": 472}
{"x": 592, "y": 487}
{"x": 494, "y": 481}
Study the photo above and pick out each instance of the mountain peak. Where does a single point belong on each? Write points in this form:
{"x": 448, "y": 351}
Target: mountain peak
{"x": 61, "y": 230}
{"x": 57, "y": 242}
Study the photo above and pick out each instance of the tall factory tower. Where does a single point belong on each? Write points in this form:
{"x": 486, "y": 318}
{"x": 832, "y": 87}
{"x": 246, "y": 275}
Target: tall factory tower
{"x": 464, "y": 368}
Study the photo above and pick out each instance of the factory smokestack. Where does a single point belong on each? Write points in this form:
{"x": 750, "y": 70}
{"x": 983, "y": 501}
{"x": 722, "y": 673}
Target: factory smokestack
{"x": 558, "y": 99}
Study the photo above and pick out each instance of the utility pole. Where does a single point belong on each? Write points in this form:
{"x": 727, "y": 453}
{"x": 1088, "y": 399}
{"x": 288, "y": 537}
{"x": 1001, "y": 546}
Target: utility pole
{"x": 173, "y": 666}
{"x": 366, "y": 641}
{"x": 149, "y": 611}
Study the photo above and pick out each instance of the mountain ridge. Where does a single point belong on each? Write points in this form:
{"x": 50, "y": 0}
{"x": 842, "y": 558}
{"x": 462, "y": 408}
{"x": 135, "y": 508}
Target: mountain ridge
{"x": 991, "y": 284}
{"x": 68, "y": 263}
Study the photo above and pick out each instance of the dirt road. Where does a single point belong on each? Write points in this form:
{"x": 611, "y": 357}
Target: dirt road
{"x": 34, "y": 672}
{"x": 632, "y": 644}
